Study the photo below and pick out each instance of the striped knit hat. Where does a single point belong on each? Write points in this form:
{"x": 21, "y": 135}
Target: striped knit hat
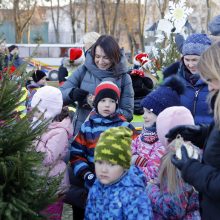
{"x": 106, "y": 89}
{"x": 114, "y": 146}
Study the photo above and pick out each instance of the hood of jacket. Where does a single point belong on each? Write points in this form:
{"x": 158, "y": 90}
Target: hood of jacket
{"x": 120, "y": 69}
{"x": 65, "y": 124}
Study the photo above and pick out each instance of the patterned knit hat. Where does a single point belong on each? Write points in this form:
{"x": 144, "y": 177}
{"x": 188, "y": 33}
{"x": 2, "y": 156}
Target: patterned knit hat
{"x": 166, "y": 95}
{"x": 114, "y": 146}
{"x": 106, "y": 89}
{"x": 214, "y": 26}
{"x": 196, "y": 44}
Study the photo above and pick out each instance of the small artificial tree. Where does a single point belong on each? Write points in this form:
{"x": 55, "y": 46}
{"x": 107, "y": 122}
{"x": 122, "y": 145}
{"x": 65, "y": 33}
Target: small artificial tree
{"x": 24, "y": 190}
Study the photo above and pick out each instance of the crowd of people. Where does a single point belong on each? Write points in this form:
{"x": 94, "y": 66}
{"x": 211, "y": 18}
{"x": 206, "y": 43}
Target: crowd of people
{"x": 110, "y": 170}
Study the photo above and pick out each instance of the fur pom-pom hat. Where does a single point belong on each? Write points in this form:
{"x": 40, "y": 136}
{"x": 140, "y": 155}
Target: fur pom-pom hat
{"x": 164, "y": 96}
{"x": 48, "y": 99}
{"x": 114, "y": 146}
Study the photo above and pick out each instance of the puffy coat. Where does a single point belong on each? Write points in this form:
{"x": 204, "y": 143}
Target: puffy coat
{"x": 124, "y": 199}
{"x": 88, "y": 76}
{"x": 184, "y": 204}
{"x": 83, "y": 146}
{"x": 54, "y": 144}
{"x": 147, "y": 146}
{"x": 195, "y": 99}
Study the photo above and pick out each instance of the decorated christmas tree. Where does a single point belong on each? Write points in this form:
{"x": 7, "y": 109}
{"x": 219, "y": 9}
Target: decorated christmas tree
{"x": 24, "y": 191}
{"x": 165, "y": 51}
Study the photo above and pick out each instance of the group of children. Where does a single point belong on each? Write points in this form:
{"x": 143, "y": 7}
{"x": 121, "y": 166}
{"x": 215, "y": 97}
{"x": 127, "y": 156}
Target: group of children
{"x": 116, "y": 173}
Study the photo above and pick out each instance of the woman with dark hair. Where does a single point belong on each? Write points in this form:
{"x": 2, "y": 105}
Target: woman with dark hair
{"x": 105, "y": 61}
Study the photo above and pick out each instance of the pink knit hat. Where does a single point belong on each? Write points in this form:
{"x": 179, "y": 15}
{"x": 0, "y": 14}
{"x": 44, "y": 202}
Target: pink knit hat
{"x": 170, "y": 118}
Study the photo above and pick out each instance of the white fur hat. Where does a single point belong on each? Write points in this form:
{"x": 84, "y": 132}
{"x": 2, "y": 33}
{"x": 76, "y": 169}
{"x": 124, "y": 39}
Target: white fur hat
{"x": 48, "y": 99}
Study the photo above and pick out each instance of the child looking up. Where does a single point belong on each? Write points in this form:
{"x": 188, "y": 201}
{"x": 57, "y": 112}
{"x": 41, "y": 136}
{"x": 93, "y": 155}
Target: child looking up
{"x": 103, "y": 116}
{"x": 147, "y": 150}
{"x": 119, "y": 191}
{"x": 170, "y": 196}
{"x": 54, "y": 142}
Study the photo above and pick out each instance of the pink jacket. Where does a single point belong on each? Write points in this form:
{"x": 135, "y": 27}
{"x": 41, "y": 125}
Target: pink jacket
{"x": 152, "y": 153}
{"x": 54, "y": 143}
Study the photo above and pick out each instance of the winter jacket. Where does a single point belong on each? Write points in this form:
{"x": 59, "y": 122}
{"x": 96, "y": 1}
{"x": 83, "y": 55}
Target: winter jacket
{"x": 88, "y": 76}
{"x": 183, "y": 205}
{"x": 205, "y": 176}
{"x": 194, "y": 98}
{"x": 82, "y": 148}
{"x": 172, "y": 69}
{"x": 150, "y": 150}
{"x": 54, "y": 144}
{"x": 123, "y": 199}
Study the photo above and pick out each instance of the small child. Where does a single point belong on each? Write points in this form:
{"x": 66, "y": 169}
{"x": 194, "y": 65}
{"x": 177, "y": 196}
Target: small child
{"x": 147, "y": 150}
{"x": 104, "y": 116}
{"x": 170, "y": 196}
{"x": 54, "y": 142}
{"x": 39, "y": 80}
{"x": 119, "y": 191}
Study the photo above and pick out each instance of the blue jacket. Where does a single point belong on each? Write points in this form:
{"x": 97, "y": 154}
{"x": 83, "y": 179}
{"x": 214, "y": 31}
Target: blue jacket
{"x": 124, "y": 199}
{"x": 82, "y": 148}
{"x": 195, "y": 98}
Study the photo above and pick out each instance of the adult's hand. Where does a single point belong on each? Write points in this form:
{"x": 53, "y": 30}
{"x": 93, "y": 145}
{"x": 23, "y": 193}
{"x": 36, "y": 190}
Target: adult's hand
{"x": 79, "y": 95}
{"x": 179, "y": 163}
{"x": 188, "y": 132}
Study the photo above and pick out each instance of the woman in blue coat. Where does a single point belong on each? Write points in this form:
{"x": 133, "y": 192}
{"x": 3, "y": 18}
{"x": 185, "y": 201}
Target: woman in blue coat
{"x": 195, "y": 95}
{"x": 205, "y": 175}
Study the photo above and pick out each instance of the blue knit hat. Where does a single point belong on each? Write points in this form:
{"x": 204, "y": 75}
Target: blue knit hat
{"x": 214, "y": 26}
{"x": 196, "y": 44}
{"x": 166, "y": 95}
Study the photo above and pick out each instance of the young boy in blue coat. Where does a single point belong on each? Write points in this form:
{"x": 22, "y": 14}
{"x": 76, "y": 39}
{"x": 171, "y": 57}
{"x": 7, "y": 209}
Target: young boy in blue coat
{"x": 103, "y": 116}
{"x": 119, "y": 191}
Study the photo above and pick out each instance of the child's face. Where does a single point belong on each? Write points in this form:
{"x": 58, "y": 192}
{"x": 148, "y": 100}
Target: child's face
{"x": 149, "y": 118}
{"x": 106, "y": 106}
{"x": 42, "y": 81}
{"x": 106, "y": 172}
